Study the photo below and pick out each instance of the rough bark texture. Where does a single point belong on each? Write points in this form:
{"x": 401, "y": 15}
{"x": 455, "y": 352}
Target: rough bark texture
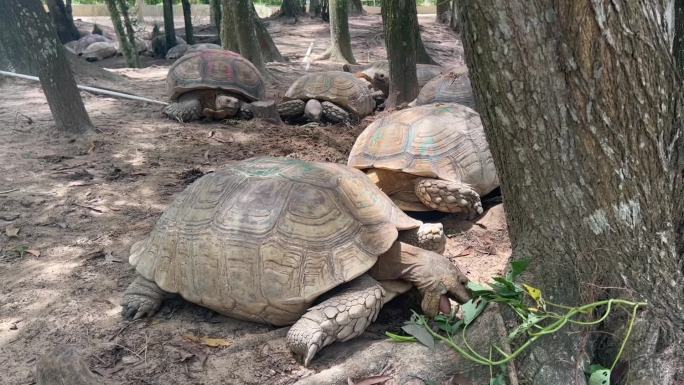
{"x": 443, "y": 11}
{"x": 678, "y": 45}
{"x": 400, "y": 41}
{"x": 127, "y": 48}
{"x": 169, "y": 29}
{"x": 578, "y": 101}
{"x": 247, "y": 39}
{"x": 454, "y": 23}
{"x": 187, "y": 18}
{"x": 130, "y": 32}
{"x": 32, "y": 29}
{"x": 228, "y": 32}
{"x": 66, "y": 30}
{"x": 291, "y": 8}
{"x": 269, "y": 51}
{"x": 340, "y": 41}
{"x": 315, "y": 8}
{"x": 422, "y": 56}
{"x": 355, "y": 8}
{"x": 216, "y": 13}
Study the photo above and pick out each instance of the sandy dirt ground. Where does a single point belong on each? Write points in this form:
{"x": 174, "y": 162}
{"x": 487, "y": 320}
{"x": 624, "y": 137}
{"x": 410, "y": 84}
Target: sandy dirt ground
{"x": 70, "y": 208}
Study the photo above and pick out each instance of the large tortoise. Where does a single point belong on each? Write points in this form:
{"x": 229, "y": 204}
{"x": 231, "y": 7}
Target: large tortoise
{"x": 432, "y": 157}
{"x": 263, "y": 239}
{"x": 450, "y": 87}
{"x": 212, "y": 84}
{"x": 334, "y": 96}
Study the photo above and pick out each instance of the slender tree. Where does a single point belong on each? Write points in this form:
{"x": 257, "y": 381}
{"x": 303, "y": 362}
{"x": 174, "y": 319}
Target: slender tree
{"x": 340, "y": 41}
{"x": 128, "y": 48}
{"x": 315, "y": 8}
{"x": 169, "y": 28}
{"x": 269, "y": 51}
{"x": 422, "y": 56}
{"x": 579, "y": 116}
{"x": 244, "y": 25}
{"x": 355, "y": 8}
{"x": 453, "y": 19}
{"x": 66, "y": 30}
{"x": 187, "y": 18}
{"x": 291, "y": 9}
{"x": 140, "y": 11}
{"x": 130, "y": 32}
{"x": 400, "y": 42}
{"x": 678, "y": 44}
{"x": 28, "y": 31}
{"x": 443, "y": 11}
{"x": 216, "y": 13}
{"x": 228, "y": 32}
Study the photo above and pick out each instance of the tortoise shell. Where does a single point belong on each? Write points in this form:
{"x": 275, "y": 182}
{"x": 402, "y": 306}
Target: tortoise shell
{"x": 341, "y": 88}
{"x": 217, "y": 70}
{"x": 450, "y": 87}
{"x": 424, "y": 72}
{"x": 260, "y": 239}
{"x": 444, "y": 141}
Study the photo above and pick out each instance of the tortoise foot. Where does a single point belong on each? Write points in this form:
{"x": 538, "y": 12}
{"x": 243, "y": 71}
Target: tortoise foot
{"x": 184, "y": 111}
{"x": 450, "y": 197}
{"x": 334, "y": 113}
{"x": 429, "y": 236}
{"x": 339, "y": 318}
{"x": 141, "y": 299}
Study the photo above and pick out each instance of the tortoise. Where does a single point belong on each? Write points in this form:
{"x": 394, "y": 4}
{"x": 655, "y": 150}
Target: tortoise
{"x": 333, "y": 96}
{"x": 99, "y": 50}
{"x": 212, "y": 84}
{"x": 377, "y": 73}
{"x": 431, "y": 157}
{"x": 265, "y": 238}
{"x": 80, "y": 45}
{"x": 450, "y": 87}
{"x": 184, "y": 49}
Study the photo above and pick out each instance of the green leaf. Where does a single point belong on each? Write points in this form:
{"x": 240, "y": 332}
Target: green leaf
{"x": 595, "y": 367}
{"x": 498, "y": 380}
{"x": 517, "y": 267}
{"x": 476, "y": 287}
{"x": 398, "y": 338}
{"x": 422, "y": 335}
{"x": 472, "y": 309}
{"x": 532, "y": 319}
{"x": 600, "y": 377}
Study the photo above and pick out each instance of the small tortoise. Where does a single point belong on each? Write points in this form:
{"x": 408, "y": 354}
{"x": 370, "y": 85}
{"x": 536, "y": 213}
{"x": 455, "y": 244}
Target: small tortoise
{"x": 212, "y": 84}
{"x": 377, "y": 73}
{"x": 263, "y": 239}
{"x": 334, "y": 96}
{"x": 80, "y": 45}
{"x": 432, "y": 157}
{"x": 99, "y": 50}
{"x": 450, "y": 87}
{"x": 184, "y": 49}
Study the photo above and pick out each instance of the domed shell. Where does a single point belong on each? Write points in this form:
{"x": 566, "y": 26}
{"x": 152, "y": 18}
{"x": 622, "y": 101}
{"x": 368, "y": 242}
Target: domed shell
{"x": 215, "y": 69}
{"x": 444, "y": 141}
{"x": 341, "y": 88}
{"x": 450, "y": 87}
{"x": 261, "y": 239}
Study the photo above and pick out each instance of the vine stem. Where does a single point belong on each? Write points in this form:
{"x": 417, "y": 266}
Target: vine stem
{"x": 629, "y": 332}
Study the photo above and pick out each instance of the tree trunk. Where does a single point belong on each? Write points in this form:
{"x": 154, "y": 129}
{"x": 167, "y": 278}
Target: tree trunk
{"x": 340, "y": 42}
{"x": 291, "y": 9}
{"x": 228, "y": 32}
{"x": 315, "y": 8}
{"x": 130, "y": 32}
{"x": 325, "y": 10}
{"x": 443, "y": 11}
{"x": 129, "y": 51}
{"x": 400, "y": 41}
{"x": 678, "y": 45}
{"x": 422, "y": 56}
{"x": 187, "y": 17}
{"x": 579, "y": 118}
{"x": 216, "y": 13}
{"x": 247, "y": 39}
{"x": 69, "y": 11}
{"x": 169, "y": 29}
{"x": 66, "y": 30}
{"x": 454, "y": 24}
{"x": 355, "y": 8}
{"x": 269, "y": 51}
{"x": 140, "y": 11}
{"x": 34, "y": 37}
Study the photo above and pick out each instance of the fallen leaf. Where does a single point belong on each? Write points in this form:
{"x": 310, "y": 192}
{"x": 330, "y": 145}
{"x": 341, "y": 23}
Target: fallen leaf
{"x": 211, "y": 342}
{"x": 35, "y": 253}
{"x": 370, "y": 380}
{"x": 11, "y": 231}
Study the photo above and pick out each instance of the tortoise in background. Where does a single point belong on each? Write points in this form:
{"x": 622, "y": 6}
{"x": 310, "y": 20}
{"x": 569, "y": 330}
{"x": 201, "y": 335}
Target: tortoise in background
{"x": 99, "y": 50}
{"x": 183, "y": 49}
{"x": 333, "y": 96}
{"x": 432, "y": 157}
{"x": 212, "y": 84}
{"x": 377, "y": 74}
{"x": 450, "y": 87}
{"x": 262, "y": 239}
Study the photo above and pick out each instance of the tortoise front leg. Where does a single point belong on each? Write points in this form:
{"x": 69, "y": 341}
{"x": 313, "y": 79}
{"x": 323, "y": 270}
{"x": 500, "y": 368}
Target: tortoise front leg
{"x": 429, "y": 236}
{"x": 339, "y": 318}
{"x": 142, "y": 299}
{"x": 450, "y": 197}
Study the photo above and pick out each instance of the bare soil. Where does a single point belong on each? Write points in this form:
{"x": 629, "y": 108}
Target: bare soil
{"x": 70, "y": 208}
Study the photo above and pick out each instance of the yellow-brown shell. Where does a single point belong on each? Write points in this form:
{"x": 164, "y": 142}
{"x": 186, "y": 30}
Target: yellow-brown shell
{"x": 215, "y": 70}
{"x": 261, "y": 239}
{"x": 450, "y": 87}
{"x": 444, "y": 141}
{"x": 341, "y": 88}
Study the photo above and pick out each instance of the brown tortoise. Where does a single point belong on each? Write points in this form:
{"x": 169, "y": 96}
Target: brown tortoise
{"x": 212, "y": 84}
{"x": 450, "y": 87}
{"x": 263, "y": 239}
{"x": 432, "y": 157}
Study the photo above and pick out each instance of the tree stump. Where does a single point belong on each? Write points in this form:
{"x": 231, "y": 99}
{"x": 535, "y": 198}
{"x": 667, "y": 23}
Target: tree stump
{"x": 266, "y": 110}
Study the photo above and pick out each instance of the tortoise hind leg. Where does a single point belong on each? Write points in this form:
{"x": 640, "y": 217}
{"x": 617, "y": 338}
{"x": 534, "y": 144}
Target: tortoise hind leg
{"x": 184, "y": 110}
{"x": 341, "y": 317}
{"x": 450, "y": 197}
{"x": 142, "y": 299}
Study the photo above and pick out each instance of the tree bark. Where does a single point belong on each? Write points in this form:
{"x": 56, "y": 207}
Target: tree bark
{"x": 130, "y": 32}
{"x": 66, "y": 30}
{"x": 579, "y": 118}
{"x": 127, "y": 48}
{"x": 34, "y": 37}
{"x": 422, "y": 56}
{"x": 216, "y": 13}
{"x": 454, "y": 24}
{"x": 355, "y": 8}
{"x": 169, "y": 28}
{"x": 269, "y": 51}
{"x": 247, "y": 39}
{"x": 140, "y": 11}
{"x": 69, "y": 11}
{"x": 315, "y": 8}
{"x": 228, "y": 32}
{"x": 340, "y": 41}
{"x": 292, "y": 9}
{"x": 187, "y": 18}
{"x": 443, "y": 11}
{"x": 678, "y": 45}
{"x": 400, "y": 42}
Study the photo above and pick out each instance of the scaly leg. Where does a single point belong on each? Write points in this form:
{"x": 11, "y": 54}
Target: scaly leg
{"x": 184, "y": 110}
{"x": 450, "y": 197}
{"x": 429, "y": 236}
{"x": 342, "y": 317}
{"x": 142, "y": 299}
